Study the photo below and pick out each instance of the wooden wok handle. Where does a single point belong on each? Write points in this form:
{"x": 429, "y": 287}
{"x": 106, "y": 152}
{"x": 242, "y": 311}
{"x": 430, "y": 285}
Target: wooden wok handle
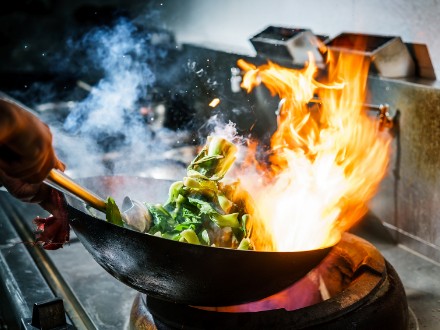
{"x": 60, "y": 179}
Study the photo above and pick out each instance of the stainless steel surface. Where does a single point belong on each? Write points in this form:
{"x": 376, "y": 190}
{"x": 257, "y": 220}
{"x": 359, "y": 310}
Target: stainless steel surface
{"x": 424, "y": 67}
{"x": 409, "y": 198}
{"x": 386, "y": 120}
{"x": 389, "y": 56}
{"x": 92, "y": 298}
{"x": 49, "y": 270}
{"x": 407, "y": 206}
{"x": 21, "y": 284}
{"x": 292, "y": 43}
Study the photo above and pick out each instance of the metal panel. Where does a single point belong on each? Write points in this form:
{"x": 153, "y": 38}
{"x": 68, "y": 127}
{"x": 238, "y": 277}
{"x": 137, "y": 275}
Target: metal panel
{"x": 409, "y": 199}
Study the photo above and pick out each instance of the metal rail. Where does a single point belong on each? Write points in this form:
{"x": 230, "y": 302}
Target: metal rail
{"x": 55, "y": 280}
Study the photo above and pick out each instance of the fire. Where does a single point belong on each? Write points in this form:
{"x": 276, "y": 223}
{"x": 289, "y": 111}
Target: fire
{"x": 215, "y": 102}
{"x": 325, "y": 162}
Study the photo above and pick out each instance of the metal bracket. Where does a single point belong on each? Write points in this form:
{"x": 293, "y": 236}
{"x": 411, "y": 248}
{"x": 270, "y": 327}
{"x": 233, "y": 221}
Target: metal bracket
{"x": 48, "y": 315}
{"x": 382, "y": 113}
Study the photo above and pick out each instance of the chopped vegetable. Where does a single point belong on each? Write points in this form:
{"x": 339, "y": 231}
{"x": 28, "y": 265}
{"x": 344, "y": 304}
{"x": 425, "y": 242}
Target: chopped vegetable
{"x": 200, "y": 209}
{"x": 245, "y": 244}
{"x": 112, "y": 213}
{"x": 189, "y": 236}
{"x": 214, "y": 160}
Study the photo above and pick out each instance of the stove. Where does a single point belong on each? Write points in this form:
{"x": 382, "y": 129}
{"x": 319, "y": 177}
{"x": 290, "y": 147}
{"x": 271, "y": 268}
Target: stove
{"x": 368, "y": 283}
{"x": 354, "y": 287}
{"x": 389, "y": 280}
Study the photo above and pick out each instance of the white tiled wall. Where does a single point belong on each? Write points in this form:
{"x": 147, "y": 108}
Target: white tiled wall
{"x": 229, "y": 23}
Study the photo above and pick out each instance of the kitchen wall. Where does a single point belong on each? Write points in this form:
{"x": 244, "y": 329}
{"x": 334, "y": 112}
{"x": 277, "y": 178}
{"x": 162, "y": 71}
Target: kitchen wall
{"x": 409, "y": 198}
{"x": 230, "y": 23}
{"x": 32, "y": 29}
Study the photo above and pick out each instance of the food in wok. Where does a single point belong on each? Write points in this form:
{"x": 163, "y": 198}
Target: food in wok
{"x": 167, "y": 269}
{"x": 203, "y": 208}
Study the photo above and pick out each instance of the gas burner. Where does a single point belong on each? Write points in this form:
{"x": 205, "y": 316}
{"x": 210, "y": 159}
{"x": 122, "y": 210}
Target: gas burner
{"x": 354, "y": 287}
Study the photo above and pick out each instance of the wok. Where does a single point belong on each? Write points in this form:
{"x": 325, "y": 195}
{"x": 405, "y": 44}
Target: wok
{"x": 180, "y": 272}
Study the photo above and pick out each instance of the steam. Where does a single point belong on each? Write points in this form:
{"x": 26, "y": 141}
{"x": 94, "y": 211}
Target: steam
{"x": 218, "y": 127}
{"x": 109, "y": 118}
{"x": 122, "y": 57}
{"x": 105, "y": 133}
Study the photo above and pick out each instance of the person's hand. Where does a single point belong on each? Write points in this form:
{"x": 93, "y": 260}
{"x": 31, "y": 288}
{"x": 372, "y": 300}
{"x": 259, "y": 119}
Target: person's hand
{"x": 26, "y": 153}
{"x": 26, "y": 158}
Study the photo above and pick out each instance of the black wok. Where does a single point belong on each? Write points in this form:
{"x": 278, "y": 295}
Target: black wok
{"x": 180, "y": 272}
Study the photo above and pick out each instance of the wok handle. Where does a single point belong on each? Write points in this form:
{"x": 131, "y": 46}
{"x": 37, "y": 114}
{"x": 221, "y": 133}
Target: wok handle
{"x": 57, "y": 179}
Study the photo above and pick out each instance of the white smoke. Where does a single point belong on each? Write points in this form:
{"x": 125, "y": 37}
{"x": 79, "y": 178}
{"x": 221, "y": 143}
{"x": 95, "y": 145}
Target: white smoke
{"x": 109, "y": 117}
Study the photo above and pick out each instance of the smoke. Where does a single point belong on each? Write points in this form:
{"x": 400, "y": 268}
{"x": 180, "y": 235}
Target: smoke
{"x": 108, "y": 119}
{"x": 127, "y": 76}
{"x": 105, "y": 133}
{"x": 122, "y": 57}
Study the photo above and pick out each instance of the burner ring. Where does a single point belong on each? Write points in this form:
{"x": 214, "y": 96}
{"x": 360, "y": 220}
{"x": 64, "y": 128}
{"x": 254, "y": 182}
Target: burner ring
{"x": 374, "y": 299}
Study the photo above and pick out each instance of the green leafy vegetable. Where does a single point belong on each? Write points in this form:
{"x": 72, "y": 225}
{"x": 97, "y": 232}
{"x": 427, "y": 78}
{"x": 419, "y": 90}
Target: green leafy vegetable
{"x": 214, "y": 160}
{"x": 112, "y": 214}
{"x": 245, "y": 244}
{"x": 163, "y": 221}
{"x": 201, "y": 209}
{"x": 204, "y": 237}
{"x": 190, "y": 236}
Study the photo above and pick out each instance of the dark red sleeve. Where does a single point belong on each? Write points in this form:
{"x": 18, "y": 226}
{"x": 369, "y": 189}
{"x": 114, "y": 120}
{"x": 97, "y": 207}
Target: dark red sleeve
{"x": 54, "y": 231}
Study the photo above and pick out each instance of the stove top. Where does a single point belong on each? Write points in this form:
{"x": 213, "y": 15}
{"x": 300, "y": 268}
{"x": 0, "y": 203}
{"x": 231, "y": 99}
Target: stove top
{"x": 94, "y": 299}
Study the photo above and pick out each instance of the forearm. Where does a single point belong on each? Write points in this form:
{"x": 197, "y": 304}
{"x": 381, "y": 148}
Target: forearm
{"x": 26, "y": 154}
{"x": 25, "y": 144}
{"x": 8, "y": 115}
{"x": 21, "y": 131}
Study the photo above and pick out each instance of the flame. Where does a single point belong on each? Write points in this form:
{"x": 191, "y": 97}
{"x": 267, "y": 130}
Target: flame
{"x": 215, "y": 102}
{"x": 325, "y": 162}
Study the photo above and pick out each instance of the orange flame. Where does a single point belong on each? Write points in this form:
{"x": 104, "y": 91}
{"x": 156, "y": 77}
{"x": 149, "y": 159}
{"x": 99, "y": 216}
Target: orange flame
{"x": 326, "y": 163}
{"x": 215, "y": 102}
